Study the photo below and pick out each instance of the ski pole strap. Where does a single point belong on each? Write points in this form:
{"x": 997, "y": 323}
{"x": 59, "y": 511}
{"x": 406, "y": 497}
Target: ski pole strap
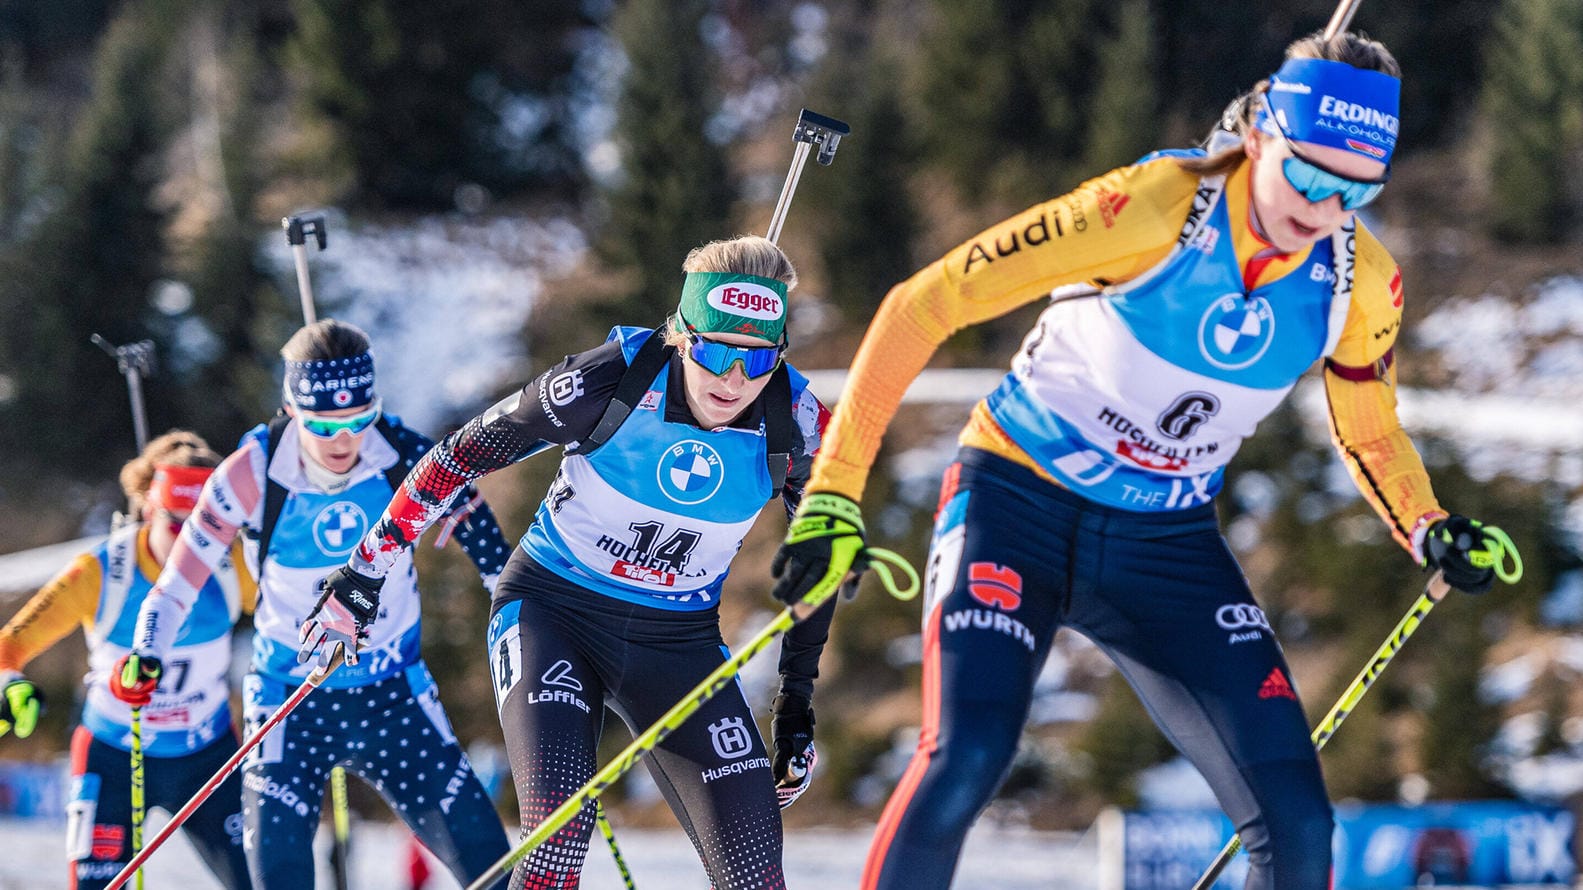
{"x": 886, "y": 563}
{"x": 1502, "y": 547}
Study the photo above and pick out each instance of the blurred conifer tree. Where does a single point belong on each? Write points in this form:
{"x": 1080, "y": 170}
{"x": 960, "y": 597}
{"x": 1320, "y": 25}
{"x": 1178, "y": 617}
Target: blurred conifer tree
{"x": 1532, "y": 100}
{"x": 675, "y": 189}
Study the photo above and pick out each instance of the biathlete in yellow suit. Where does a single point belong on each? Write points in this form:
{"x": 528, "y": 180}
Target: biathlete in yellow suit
{"x": 1188, "y": 293}
{"x": 186, "y": 727}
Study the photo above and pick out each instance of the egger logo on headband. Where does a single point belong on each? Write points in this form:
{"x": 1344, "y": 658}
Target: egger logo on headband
{"x": 746, "y": 298}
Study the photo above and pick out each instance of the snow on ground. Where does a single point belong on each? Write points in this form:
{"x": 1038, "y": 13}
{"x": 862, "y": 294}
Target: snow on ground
{"x": 995, "y": 859}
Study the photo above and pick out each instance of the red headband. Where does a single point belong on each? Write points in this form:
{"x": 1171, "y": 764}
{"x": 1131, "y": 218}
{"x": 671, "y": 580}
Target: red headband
{"x": 175, "y": 489}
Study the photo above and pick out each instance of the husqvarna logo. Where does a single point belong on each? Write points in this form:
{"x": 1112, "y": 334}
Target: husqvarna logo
{"x": 339, "y": 527}
{"x": 730, "y": 737}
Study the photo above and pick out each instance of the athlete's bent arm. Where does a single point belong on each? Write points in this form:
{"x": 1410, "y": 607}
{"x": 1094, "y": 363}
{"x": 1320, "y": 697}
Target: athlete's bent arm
{"x": 1078, "y": 237}
{"x": 1360, "y": 386}
{"x": 514, "y": 429}
{"x": 231, "y": 498}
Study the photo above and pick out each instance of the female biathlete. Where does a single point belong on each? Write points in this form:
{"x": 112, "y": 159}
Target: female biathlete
{"x": 1190, "y": 291}
{"x": 674, "y": 440}
{"x": 304, "y": 487}
{"x": 186, "y": 731}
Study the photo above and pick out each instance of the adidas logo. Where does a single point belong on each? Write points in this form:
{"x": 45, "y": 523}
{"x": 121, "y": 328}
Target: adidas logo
{"x": 1276, "y": 686}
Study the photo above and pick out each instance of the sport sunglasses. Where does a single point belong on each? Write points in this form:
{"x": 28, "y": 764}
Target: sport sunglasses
{"x": 1317, "y": 183}
{"x": 717, "y": 358}
{"x": 323, "y": 427}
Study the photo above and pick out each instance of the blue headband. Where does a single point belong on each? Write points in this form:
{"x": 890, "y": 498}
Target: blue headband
{"x": 1335, "y": 104}
{"x": 328, "y": 384}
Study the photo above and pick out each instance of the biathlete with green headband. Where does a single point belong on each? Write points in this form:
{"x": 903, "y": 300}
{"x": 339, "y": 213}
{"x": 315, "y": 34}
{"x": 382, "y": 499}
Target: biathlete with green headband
{"x": 1188, "y": 292}
{"x": 673, "y": 440}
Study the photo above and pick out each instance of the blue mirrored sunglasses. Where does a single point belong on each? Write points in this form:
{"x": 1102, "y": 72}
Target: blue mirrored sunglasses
{"x": 1315, "y": 183}
{"x": 717, "y": 358}
{"x": 329, "y": 427}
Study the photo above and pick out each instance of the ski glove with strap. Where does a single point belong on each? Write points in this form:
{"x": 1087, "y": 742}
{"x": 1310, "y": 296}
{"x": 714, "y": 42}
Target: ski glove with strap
{"x": 791, "y": 728}
{"x": 825, "y": 543}
{"x": 20, "y": 705}
{"x": 348, "y": 604}
{"x": 1467, "y": 551}
{"x": 135, "y": 678}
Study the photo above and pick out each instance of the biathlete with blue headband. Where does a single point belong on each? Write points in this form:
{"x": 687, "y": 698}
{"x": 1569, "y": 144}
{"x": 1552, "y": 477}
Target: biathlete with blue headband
{"x": 303, "y": 490}
{"x": 1189, "y": 292}
{"x": 672, "y": 442}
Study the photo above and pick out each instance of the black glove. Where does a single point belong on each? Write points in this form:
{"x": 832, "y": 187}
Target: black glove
{"x": 20, "y": 704}
{"x": 824, "y": 543}
{"x": 1464, "y": 550}
{"x": 135, "y": 678}
{"x": 791, "y": 727}
{"x": 348, "y": 604}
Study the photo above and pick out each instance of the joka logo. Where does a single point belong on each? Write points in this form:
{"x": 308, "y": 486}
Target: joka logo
{"x": 730, "y": 737}
{"x": 689, "y": 472}
{"x": 1277, "y": 686}
{"x": 650, "y": 401}
{"x": 339, "y": 527}
{"x": 566, "y": 387}
{"x": 995, "y": 585}
{"x": 560, "y": 674}
{"x": 1235, "y": 332}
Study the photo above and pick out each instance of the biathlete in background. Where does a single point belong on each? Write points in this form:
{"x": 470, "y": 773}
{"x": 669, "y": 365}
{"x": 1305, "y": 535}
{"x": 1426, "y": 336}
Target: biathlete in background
{"x": 1189, "y": 292}
{"x": 186, "y": 728}
{"x": 673, "y": 441}
{"x": 303, "y": 487}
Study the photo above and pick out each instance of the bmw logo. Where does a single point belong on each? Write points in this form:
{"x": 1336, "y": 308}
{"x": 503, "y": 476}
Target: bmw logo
{"x": 1235, "y": 332}
{"x": 339, "y": 527}
{"x": 690, "y": 472}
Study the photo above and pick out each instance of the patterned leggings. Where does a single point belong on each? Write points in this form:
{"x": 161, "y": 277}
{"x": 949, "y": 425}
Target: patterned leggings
{"x": 394, "y": 734}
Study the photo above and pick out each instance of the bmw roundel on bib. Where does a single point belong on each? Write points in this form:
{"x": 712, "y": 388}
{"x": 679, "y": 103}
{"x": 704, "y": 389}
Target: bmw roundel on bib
{"x": 339, "y": 527}
{"x": 690, "y": 472}
{"x": 1235, "y": 331}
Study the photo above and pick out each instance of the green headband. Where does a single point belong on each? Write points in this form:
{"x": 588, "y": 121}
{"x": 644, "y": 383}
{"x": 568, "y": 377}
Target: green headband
{"x": 734, "y": 303}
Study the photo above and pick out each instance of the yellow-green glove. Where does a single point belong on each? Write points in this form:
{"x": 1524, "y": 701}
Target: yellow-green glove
{"x": 824, "y": 543}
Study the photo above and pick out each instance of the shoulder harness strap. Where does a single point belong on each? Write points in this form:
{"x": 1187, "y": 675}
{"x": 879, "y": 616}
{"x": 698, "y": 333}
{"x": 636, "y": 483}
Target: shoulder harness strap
{"x": 651, "y": 358}
{"x": 274, "y": 493}
{"x": 779, "y": 428}
{"x": 406, "y": 458}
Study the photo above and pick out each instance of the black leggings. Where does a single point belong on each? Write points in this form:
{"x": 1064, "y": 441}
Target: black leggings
{"x": 558, "y": 654}
{"x": 1013, "y": 559}
{"x": 99, "y": 828}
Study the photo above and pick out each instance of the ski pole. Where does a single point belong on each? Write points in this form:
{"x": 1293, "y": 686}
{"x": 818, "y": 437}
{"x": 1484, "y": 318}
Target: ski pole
{"x": 340, "y": 858}
{"x": 1342, "y": 17}
{"x": 1433, "y": 593}
{"x": 881, "y": 561}
{"x": 812, "y": 129}
{"x": 610, "y": 840}
{"x": 298, "y": 228}
{"x": 134, "y": 360}
{"x": 312, "y": 682}
{"x": 137, "y": 787}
